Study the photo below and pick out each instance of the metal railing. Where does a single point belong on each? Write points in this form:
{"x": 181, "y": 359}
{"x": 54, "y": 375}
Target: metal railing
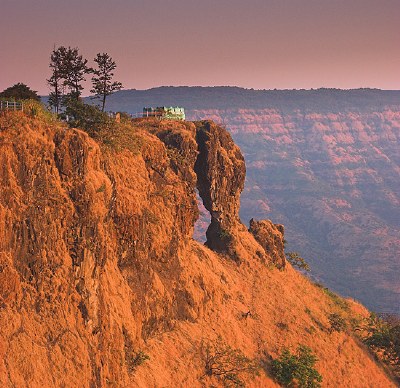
{"x": 11, "y": 105}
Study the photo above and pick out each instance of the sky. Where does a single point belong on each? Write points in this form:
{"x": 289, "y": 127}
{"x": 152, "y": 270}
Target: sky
{"x": 260, "y": 44}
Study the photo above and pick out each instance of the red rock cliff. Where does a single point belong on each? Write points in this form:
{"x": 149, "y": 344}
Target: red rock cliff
{"x": 98, "y": 264}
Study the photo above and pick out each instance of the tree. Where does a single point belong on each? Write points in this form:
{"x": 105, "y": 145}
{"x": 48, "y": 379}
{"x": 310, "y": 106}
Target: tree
{"x": 20, "y": 91}
{"x": 84, "y": 116}
{"x": 68, "y": 72}
{"x": 299, "y": 368}
{"x": 56, "y": 81}
{"x": 383, "y": 337}
{"x": 337, "y": 323}
{"x": 103, "y": 85}
{"x": 74, "y": 70}
{"x": 297, "y": 261}
{"x": 228, "y": 364}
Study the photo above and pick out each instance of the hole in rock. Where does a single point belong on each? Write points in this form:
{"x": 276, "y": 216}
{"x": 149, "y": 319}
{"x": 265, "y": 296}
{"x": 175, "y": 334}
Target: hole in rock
{"x": 201, "y": 225}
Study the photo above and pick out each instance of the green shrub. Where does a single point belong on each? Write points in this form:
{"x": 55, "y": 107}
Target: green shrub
{"x": 133, "y": 358}
{"x": 337, "y": 323}
{"x": 139, "y": 358}
{"x": 102, "y": 188}
{"x": 113, "y": 135}
{"x": 383, "y": 337}
{"x": 296, "y": 368}
{"x": 19, "y": 91}
{"x": 283, "y": 326}
{"x": 297, "y": 261}
{"x": 84, "y": 116}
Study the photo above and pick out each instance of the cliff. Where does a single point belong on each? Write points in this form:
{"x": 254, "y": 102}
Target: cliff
{"x": 98, "y": 267}
{"x": 325, "y": 163}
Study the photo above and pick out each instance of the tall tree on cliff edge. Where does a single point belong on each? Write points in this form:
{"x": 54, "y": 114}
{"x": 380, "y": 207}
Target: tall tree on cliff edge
{"x": 56, "y": 81}
{"x": 103, "y": 85}
{"x": 68, "y": 72}
{"x": 75, "y": 68}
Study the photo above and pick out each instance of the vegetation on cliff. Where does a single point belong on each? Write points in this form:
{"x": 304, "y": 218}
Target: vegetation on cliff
{"x": 68, "y": 71}
{"x": 19, "y": 91}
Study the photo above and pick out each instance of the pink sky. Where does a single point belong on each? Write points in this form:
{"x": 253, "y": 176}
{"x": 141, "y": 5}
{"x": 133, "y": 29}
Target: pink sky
{"x": 261, "y": 44}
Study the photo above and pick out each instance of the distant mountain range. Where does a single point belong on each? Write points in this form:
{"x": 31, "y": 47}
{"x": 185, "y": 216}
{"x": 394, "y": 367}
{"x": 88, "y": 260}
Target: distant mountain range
{"x": 227, "y": 97}
{"x": 325, "y": 163}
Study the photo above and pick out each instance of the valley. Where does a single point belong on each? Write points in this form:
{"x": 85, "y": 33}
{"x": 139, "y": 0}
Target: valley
{"x": 325, "y": 163}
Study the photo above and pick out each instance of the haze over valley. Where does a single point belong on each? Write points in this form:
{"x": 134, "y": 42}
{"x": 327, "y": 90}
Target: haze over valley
{"x": 324, "y": 163}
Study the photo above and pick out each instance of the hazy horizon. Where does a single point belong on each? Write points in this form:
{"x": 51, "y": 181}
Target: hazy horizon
{"x": 85, "y": 94}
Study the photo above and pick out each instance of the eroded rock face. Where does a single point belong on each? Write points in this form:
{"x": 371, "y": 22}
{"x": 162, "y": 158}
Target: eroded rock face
{"x": 91, "y": 242}
{"x": 97, "y": 262}
{"x": 271, "y": 237}
{"x": 221, "y": 172}
{"x": 181, "y": 149}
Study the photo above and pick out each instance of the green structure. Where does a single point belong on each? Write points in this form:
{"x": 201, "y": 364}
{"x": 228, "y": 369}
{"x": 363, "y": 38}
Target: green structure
{"x": 164, "y": 112}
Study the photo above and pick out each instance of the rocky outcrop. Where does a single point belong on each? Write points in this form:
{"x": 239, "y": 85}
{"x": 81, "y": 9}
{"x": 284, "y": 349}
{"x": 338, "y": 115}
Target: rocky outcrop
{"x": 332, "y": 178}
{"x": 181, "y": 148}
{"x": 221, "y": 172}
{"x": 271, "y": 237}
